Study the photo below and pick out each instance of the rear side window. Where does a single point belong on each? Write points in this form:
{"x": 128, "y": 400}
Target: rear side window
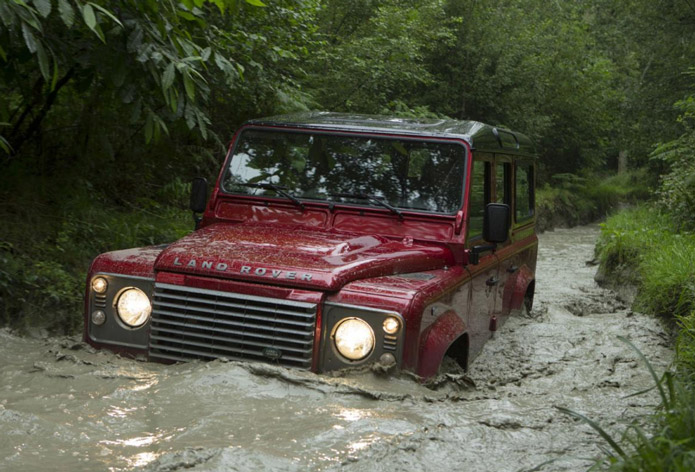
{"x": 523, "y": 186}
{"x": 479, "y": 197}
{"x": 503, "y": 182}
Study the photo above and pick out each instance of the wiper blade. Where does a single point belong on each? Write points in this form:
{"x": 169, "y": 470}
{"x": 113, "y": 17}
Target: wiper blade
{"x": 279, "y": 189}
{"x": 370, "y": 198}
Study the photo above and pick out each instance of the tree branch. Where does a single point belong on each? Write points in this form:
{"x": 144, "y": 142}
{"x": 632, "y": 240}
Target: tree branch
{"x": 36, "y": 122}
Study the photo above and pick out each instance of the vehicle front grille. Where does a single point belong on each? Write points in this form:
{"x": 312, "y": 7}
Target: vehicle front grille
{"x": 192, "y": 323}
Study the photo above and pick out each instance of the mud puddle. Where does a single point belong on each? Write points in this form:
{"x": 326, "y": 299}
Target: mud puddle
{"x": 64, "y": 406}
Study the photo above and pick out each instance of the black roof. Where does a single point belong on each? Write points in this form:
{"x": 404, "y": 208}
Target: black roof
{"x": 480, "y": 136}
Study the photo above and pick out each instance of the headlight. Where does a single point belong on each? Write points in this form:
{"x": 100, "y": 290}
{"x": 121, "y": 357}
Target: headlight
{"x": 354, "y": 339}
{"x": 133, "y": 307}
{"x": 391, "y": 325}
{"x": 99, "y": 285}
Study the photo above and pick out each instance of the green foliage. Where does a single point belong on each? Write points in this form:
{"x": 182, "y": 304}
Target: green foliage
{"x": 374, "y": 53}
{"x": 44, "y": 257}
{"x": 685, "y": 346}
{"x": 677, "y": 190}
{"x": 572, "y": 199}
{"x": 505, "y": 67}
{"x": 642, "y": 242}
{"x": 156, "y": 64}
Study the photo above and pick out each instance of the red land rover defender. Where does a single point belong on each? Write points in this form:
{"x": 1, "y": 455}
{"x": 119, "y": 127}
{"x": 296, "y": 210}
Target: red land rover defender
{"x": 331, "y": 241}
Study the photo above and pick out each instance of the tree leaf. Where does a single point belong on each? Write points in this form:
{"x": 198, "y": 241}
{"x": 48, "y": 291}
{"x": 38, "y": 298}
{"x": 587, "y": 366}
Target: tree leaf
{"x": 205, "y": 53}
{"x": 201, "y": 123}
{"x": 3, "y": 54}
{"x": 173, "y": 100}
{"x": 44, "y": 66}
{"x": 189, "y": 85}
{"x": 43, "y": 7}
{"x": 186, "y": 16}
{"x": 149, "y": 128}
{"x": 29, "y": 38}
{"x": 67, "y": 14}
{"x": 107, "y": 13}
{"x": 5, "y": 145}
{"x": 90, "y": 18}
{"x": 256, "y": 3}
{"x": 168, "y": 76}
{"x": 220, "y": 5}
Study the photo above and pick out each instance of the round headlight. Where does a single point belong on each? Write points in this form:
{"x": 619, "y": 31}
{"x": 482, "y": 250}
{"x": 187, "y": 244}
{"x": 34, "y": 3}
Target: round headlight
{"x": 133, "y": 307}
{"x": 391, "y": 325}
{"x": 354, "y": 339}
{"x": 99, "y": 285}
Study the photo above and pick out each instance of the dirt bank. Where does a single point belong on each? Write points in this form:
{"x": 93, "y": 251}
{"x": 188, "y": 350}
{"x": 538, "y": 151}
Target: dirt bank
{"x": 64, "y": 406}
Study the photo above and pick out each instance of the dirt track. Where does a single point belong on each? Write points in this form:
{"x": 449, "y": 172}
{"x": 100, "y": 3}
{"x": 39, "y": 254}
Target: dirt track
{"x": 64, "y": 406}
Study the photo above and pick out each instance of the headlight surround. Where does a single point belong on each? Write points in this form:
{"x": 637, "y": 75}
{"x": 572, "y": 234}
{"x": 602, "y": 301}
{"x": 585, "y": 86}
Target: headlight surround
{"x": 354, "y": 339}
{"x": 133, "y": 307}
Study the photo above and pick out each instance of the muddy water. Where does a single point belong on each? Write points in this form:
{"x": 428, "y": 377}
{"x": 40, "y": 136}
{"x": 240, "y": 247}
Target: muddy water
{"x": 64, "y": 406}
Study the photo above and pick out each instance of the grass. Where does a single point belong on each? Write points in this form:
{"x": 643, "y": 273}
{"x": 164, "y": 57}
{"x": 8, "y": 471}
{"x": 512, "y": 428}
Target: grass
{"x": 644, "y": 243}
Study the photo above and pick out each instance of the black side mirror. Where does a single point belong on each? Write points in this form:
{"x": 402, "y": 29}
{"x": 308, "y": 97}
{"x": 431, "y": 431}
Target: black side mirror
{"x": 496, "y": 222}
{"x": 199, "y": 197}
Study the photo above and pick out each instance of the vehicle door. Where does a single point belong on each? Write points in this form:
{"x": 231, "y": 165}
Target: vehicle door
{"x": 523, "y": 235}
{"x": 502, "y": 193}
{"x": 485, "y": 274}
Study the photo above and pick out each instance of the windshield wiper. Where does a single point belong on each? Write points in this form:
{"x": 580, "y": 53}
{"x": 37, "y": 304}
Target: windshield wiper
{"x": 279, "y": 189}
{"x": 370, "y": 198}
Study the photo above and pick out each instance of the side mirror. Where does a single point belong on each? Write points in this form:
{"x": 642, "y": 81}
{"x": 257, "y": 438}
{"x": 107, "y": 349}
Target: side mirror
{"x": 199, "y": 195}
{"x": 496, "y": 222}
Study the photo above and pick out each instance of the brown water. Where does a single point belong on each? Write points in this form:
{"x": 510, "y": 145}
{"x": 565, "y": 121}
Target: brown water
{"x": 64, "y": 406}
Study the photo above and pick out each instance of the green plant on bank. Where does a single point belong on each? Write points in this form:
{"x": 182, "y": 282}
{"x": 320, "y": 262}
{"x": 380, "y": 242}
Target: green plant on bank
{"x": 642, "y": 245}
{"x": 670, "y": 443}
{"x": 44, "y": 254}
{"x": 677, "y": 190}
{"x": 569, "y": 199}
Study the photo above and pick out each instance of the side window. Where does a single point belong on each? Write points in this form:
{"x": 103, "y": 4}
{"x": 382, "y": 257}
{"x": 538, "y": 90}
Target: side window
{"x": 524, "y": 192}
{"x": 503, "y": 182}
{"x": 479, "y": 197}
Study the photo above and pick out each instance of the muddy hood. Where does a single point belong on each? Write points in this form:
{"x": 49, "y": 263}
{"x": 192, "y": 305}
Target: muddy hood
{"x": 324, "y": 260}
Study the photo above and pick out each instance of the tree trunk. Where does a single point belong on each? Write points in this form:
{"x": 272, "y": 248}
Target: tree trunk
{"x": 622, "y": 162}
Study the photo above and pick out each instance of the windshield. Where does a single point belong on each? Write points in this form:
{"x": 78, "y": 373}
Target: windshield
{"x": 403, "y": 173}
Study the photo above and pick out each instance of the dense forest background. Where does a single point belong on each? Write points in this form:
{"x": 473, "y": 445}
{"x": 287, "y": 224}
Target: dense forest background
{"x": 109, "y": 108}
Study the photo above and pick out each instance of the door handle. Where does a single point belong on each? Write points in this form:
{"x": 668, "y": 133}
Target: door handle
{"x": 492, "y": 281}
{"x": 512, "y": 269}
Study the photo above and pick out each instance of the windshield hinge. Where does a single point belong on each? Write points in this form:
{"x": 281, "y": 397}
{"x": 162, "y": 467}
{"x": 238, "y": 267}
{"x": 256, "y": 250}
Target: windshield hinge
{"x": 459, "y": 222}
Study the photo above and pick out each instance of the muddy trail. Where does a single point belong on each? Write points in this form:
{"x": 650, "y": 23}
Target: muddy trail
{"x": 64, "y": 406}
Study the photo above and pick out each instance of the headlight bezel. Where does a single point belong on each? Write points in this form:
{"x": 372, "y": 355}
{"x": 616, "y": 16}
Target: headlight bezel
{"x": 113, "y": 331}
{"x": 334, "y": 314}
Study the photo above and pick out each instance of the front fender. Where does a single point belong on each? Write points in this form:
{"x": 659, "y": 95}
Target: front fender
{"x": 435, "y": 341}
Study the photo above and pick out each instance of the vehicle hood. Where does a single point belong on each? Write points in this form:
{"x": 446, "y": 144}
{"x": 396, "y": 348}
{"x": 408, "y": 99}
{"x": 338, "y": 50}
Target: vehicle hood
{"x": 324, "y": 260}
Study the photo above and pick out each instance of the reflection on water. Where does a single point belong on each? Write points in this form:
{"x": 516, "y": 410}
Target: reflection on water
{"x": 352, "y": 414}
{"x": 64, "y": 406}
